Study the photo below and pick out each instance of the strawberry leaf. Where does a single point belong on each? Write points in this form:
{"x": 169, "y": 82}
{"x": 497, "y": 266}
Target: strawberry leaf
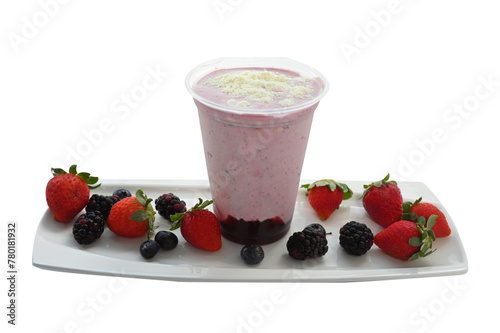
{"x": 91, "y": 181}
{"x": 201, "y": 204}
{"x": 428, "y": 253}
{"x": 141, "y": 197}
{"x": 432, "y": 234}
{"x": 415, "y": 256}
{"x": 142, "y": 215}
{"x": 57, "y": 171}
{"x": 306, "y": 186}
{"x": 344, "y": 188}
{"x": 421, "y": 223}
{"x": 176, "y": 220}
{"x": 410, "y": 216}
{"x": 431, "y": 222}
{"x": 83, "y": 175}
{"x": 415, "y": 241}
{"x": 72, "y": 169}
{"x": 139, "y": 216}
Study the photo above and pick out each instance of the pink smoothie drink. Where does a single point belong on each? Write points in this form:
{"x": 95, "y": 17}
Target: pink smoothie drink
{"x": 255, "y": 118}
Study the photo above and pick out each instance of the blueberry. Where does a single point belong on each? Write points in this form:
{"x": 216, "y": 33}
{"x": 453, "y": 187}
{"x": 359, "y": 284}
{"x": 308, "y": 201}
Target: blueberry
{"x": 122, "y": 193}
{"x": 149, "y": 248}
{"x": 252, "y": 254}
{"x": 167, "y": 240}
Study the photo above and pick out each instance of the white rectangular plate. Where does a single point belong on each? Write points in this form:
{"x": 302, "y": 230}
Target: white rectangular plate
{"x": 55, "y": 248}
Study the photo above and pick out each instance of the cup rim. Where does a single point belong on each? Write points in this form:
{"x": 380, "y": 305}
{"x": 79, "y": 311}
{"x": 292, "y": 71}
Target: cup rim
{"x": 207, "y": 67}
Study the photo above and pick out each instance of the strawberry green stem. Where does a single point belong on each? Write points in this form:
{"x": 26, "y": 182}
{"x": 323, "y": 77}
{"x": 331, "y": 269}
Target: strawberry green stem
{"x": 427, "y": 236}
{"x": 332, "y": 184}
{"x": 177, "y": 218}
{"x": 407, "y": 215}
{"x": 378, "y": 184}
{"x": 149, "y": 213}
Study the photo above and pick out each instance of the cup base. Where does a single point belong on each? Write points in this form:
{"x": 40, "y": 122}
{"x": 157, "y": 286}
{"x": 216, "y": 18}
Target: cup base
{"x": 254, "y": 232}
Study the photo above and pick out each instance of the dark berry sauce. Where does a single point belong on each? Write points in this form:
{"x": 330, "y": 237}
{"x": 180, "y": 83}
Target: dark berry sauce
{"x": 254, "y": 232}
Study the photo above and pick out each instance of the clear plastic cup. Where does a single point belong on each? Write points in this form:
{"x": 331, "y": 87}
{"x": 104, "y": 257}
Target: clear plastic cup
{"x": 254, "y": 150}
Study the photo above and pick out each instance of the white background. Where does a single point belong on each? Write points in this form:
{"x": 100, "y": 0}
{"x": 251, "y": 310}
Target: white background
{"x": 399, "y": 73}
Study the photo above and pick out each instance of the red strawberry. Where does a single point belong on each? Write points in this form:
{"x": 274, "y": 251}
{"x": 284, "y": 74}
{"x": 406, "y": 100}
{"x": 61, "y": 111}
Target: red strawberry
{"x": 68, "y": 193}
{"x": 407, "y": 240}
{"x": 326, "y": 195}
{"x": 411, "y": 212}
{"x": 199, "y": 226}
{"x": 132, "y": 217}
{"x": 383, "y": 201}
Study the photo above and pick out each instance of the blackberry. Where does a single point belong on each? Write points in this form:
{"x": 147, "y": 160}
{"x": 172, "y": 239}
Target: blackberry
{"x": 101, "y": 203}
{"x": 167, "y": 240}
{"x": 122, "y": 193}
{"x": 252, "y": 254}
{"x": 307, "y": 243}
{"x": 356, "y": 238}
{"x": 317, "y": 228}
{"x": 88, "y": 227}
{"x": 149, "y": 248}
{"x": 169, "y": 204}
